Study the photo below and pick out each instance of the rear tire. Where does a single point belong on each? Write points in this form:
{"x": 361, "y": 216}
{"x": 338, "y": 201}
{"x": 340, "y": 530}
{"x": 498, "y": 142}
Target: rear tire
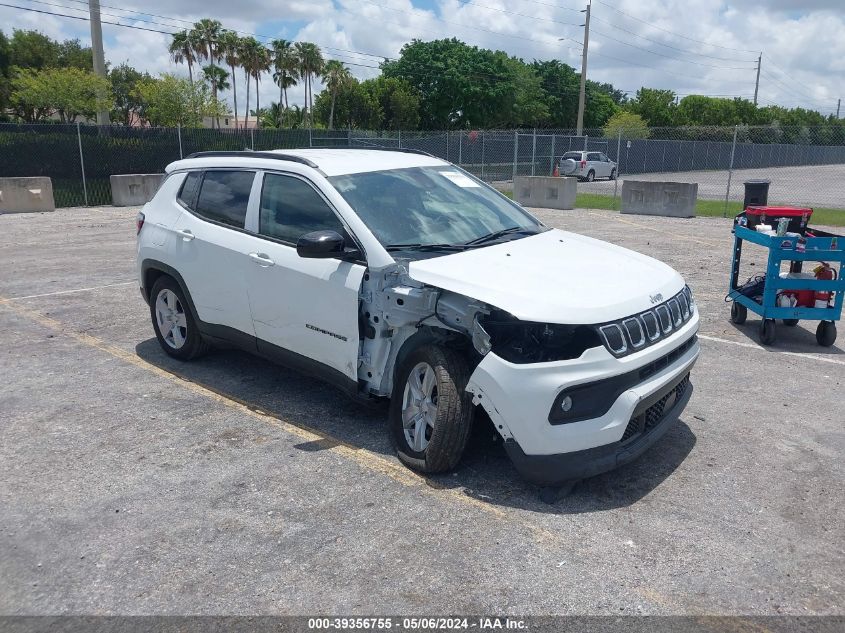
{"x": 738, "y": 313}
{"x": 430, "y": 410}
{"x": 591, "y": 176}
{"x": 174, "y": 325}
{"x": 826, "y": 333}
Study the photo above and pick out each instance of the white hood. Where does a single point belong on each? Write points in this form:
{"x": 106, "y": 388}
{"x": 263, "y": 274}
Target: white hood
{"x": 554, "y": 277}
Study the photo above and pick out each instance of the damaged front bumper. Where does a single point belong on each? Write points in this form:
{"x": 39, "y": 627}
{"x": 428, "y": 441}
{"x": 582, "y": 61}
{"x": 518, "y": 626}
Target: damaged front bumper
{"x": 634, "y": 400}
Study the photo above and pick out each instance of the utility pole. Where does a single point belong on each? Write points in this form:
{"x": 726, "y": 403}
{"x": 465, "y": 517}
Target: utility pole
{"x": 757, "y": 83}
{"x": 838, "y": 103}
{"x": 99, "y": 56}
{"x": 582, "y": 94}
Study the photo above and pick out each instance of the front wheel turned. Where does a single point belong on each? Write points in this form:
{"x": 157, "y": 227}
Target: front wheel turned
{"x": 430, "y": 410}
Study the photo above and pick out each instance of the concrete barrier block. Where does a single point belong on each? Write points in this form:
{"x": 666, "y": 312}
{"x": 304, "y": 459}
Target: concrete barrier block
{"x": 26, "y": 195}
{"x": 670, "y": 199}
{"x": 545, "y": 192}
{"x": 133, "y": 190}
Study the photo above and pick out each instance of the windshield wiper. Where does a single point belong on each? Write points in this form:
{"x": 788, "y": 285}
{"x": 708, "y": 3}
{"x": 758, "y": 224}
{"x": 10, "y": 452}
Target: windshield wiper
{"x": 425, "y": 247}
{"x": 514, "y": 230}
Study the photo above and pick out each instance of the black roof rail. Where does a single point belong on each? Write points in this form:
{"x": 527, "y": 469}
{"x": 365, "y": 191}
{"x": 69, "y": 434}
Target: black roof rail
{"x": 251, "y": 154}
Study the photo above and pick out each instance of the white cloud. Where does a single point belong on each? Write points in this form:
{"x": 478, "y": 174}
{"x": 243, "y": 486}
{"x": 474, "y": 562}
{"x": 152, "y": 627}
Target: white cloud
{"x": 803, "y": 52}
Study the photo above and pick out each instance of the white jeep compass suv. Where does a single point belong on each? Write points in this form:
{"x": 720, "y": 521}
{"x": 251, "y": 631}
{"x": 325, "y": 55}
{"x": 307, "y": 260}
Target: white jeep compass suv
{"x": 394, "y": 274}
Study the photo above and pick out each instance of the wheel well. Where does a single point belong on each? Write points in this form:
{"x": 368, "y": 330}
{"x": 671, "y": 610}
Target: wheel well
{"x": 151, "y": 275}
{"x": 437, "y": 336}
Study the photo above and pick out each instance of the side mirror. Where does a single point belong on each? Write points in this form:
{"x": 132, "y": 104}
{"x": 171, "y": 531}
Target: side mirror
{"x": 322, "y": 245}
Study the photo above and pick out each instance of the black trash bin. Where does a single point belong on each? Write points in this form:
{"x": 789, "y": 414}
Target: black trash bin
{"x": 756, "y": 193}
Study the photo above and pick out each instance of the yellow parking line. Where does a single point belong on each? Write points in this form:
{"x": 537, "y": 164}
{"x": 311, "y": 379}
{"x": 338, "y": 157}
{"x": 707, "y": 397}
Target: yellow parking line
{"x": 360, "y": 456}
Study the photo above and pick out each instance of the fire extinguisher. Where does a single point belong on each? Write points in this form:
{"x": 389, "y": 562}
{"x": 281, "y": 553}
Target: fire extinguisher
{"x": 826, "y": 273}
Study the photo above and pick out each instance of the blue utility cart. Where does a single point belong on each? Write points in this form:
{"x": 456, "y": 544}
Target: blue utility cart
{"x": 820, "y": 247}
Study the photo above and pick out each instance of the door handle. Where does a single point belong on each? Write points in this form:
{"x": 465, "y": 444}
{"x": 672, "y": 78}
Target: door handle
{"x": 261, "y": 259}
{"x": 186, "y": 235}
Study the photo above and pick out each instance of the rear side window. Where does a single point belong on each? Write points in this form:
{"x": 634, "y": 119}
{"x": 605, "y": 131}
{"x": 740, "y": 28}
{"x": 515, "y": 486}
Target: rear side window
{"x": 224, "y": 196}
{"x": 290, "y": 208}
{"x": 190, "y": 187}
{"x": 594, "y": 156}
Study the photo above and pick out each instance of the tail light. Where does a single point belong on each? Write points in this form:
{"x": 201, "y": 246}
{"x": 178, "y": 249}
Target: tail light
{"x": 139, "y": 223}
{"x": 583, "y": 164}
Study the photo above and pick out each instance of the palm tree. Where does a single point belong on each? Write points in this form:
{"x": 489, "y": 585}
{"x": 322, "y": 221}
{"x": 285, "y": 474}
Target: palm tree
{"x": 336, "y": 75}
{"x": 182, "y": 50}
{"x": 260, "y": 64}
{"x": 249, "y": 52}
{"x": 286, "y": 70}
{"x": 206, "y": 35}
{"x": 230, "y": 49}
{"x": 217, "y": 77}
{"x": 310, "y": 66}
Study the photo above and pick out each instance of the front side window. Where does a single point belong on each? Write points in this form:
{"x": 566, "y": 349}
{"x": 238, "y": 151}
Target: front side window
{"x": 290, "y": 208}
{"x": 430, "y": 205}
{"x": 224, "y": 196}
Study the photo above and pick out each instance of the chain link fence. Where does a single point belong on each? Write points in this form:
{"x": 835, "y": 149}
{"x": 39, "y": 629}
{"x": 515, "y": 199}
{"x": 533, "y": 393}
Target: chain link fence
{"x": 805, "y": 165}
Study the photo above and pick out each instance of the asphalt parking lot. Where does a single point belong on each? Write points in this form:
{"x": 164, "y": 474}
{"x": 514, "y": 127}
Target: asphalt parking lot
{"x": 813, "y": 185}
{"x": 134, "y": 484}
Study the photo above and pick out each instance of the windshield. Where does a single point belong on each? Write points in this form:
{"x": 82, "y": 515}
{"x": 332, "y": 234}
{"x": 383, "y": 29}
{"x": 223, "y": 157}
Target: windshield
{"x": 422, "y": 206}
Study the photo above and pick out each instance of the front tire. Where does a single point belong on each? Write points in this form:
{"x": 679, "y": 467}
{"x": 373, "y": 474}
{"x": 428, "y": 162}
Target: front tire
{"x": 430, "y": 411}
{"x": 174, "y": 325}
{"x": 826, "y": 333}
{"x": 768, "y": 331}
{"x": 612, "y": 174}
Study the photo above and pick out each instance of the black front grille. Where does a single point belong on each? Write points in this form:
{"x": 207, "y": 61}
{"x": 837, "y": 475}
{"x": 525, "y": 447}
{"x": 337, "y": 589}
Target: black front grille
{"x": 645, "y": 421}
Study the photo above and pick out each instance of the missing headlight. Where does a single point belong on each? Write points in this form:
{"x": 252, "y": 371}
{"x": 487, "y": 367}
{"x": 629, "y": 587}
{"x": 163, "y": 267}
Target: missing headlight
{"x": 527, "y": 342}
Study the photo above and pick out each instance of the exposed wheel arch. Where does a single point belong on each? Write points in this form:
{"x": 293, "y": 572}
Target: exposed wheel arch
{"x": 428, "y": 335}
{"x": 152, "y": 270}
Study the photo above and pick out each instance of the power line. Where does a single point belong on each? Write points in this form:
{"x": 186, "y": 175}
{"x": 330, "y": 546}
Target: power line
{"x": 678, "y": 59}
{"x": 659, "y": 43}
{"x": 660, "y": 28}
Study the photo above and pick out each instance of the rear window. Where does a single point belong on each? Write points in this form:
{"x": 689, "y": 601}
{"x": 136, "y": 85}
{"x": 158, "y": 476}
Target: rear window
{"x": 224, "y": 196}
{"x": 188, "y": 193}
{"x": 572, "y": 155}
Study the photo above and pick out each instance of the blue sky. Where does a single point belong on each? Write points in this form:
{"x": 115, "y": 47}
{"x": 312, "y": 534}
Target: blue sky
{"x": 706, "y": 46}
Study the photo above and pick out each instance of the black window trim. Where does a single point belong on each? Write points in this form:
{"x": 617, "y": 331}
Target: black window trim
{"x": 197, "y": 215}
{"x": 332, "y": 208}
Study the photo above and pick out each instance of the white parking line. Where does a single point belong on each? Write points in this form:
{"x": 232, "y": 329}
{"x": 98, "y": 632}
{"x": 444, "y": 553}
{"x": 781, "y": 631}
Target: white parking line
{"x": 67, "y": 292}
{"x": 823, "y": 359}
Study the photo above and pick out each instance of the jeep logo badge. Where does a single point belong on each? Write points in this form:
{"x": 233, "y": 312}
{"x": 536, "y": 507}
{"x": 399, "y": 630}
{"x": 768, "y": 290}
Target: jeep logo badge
{"x": 656, "y": 298}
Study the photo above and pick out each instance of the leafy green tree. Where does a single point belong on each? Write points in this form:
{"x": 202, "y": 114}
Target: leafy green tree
{"x": 127, "y": 103}
{"x": 255, "y": 60}
{"x": 5, "y": 60}
{"x": 466, "y": 86}
{"x": 560, "y": 85}
{"x": 355, "y": 107}
{"x": 398, "y": 102}
{"x": 631, "y": 125}
{"x": 31, "y": 49}
{"x": 598, "y": 107}
{"x": 657, "y": 107}
{"x": 170, "y": 101}
{"x": 72, "y": 54}
{"x": 69, "y": 92}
